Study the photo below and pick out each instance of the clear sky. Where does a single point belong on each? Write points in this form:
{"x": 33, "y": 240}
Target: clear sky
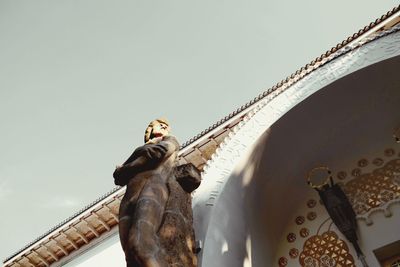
{"x": 80, "y": 80}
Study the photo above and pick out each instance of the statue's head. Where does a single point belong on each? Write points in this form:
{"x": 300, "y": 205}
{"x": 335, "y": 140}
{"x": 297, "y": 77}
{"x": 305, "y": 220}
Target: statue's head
{"x": 157, "y": 128}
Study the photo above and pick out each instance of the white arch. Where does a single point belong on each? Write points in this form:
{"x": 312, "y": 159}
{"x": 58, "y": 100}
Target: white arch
{"x": 209, "y": 208}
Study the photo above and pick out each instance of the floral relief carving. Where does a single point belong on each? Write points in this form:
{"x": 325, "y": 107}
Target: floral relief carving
{"x": 366, "y": 192}
{"x": 326, "y": 250}
{"x": 327, "y": 261}
{"x": 310, "y": 262}
{"x": 375, "y": 189}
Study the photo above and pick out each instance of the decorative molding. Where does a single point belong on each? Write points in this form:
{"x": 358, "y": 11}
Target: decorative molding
{"x": 375, "y": 191}
{"x": 326, "y": 250}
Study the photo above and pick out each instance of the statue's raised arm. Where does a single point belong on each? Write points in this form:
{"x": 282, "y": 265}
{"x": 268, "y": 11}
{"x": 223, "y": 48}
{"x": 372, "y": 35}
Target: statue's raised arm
{"x": 145, "y": 158}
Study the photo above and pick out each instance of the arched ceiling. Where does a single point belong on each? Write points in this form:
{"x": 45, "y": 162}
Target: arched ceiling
{"x": 352, "y": 118}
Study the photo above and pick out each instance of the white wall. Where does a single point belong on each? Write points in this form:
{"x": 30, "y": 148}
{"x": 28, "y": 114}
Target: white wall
{"x": 105, "y": 253}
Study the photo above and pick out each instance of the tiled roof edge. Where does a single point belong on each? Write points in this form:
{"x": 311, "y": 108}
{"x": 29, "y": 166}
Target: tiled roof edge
{"x": 279, "y": 84}
{"x": 76, "y": 214}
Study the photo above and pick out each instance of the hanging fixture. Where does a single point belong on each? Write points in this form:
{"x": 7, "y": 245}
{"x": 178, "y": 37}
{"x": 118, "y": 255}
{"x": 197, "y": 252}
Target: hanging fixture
{"x": 338, "y": 207}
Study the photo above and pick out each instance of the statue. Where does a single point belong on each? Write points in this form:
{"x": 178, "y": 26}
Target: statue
{"x": 155, "y": 216}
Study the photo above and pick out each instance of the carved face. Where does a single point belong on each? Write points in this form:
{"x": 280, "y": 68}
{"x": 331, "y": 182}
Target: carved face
{"x": 156, "y": 129}
{"x": 160, "y": 129}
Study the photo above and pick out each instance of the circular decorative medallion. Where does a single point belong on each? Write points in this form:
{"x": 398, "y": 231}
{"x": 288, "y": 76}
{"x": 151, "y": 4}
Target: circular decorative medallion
{"x": 341, "y": 175}
{"x": 282, "y": 261}
{"x": 311, "y": 215}
{"x": 321, "y": 172}
{"x": 311, "y": 203}
{"x": 293, "y": 253}
{"x": 389, "y": 152}
{"x": 304, "y": 232}
{"x": 356, "y": 172}
{"x": 377, "y": 161}
{"x": 387, "y": 195}
{"x": 300, "y": 220}
{"x": 310, "y": 262}
{"x": 326, "y": 260}
{"x": 291, "y": 237}
{"x": 362, "y": 163}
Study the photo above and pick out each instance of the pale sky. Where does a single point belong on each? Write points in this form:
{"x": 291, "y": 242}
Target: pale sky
{"x": 81, "y": 79}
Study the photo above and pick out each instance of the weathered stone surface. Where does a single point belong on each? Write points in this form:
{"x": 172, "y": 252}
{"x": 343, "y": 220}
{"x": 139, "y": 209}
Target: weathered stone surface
{"x": 176, "y": 234}
{"x": 188, "y": 176}
{"x": 155, "y": 215}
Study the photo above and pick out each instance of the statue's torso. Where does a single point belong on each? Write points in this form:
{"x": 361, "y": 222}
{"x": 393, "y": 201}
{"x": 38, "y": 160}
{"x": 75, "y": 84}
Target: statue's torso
{"x": 151, "y": 184}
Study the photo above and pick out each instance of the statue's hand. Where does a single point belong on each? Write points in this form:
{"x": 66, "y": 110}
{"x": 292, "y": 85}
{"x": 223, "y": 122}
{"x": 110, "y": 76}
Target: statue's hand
{"x": 155, "y": 151}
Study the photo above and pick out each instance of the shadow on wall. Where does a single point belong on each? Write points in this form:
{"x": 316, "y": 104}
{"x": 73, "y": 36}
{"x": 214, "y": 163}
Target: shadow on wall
{"x": 233, "y": 237}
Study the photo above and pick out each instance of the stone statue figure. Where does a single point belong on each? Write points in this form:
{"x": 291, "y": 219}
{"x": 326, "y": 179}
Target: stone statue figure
{"x": 155, "y": 215}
